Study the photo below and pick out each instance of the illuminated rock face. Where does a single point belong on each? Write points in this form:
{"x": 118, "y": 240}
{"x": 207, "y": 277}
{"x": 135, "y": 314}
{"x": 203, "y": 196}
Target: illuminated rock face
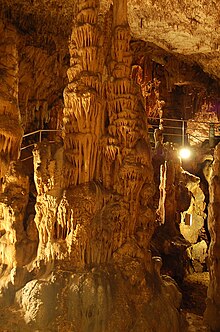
{"x": 213, "y": 301}
{"x": 13, "y": 202}
{"x": 94, "y": 209}
{"x": 83, "y": 97}
{"x": 102, "y": 203}
{"x": 18, "y": 244}
{"x": 174, "y": 198}
{"x": 192, "y": 220}
{"x": 83, "y": 263}
{"x": 10, "y": 126}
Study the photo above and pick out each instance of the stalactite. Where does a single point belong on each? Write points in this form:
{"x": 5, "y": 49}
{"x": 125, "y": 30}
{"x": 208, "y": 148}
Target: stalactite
{"x": 86, "y": 104}
{"x": 10, "y": 126}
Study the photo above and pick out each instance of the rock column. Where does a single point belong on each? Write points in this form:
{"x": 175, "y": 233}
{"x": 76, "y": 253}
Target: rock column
{"x": 84, "y": 104}
{"x": 212, "y": 313}
{"x": 126, "y": 166}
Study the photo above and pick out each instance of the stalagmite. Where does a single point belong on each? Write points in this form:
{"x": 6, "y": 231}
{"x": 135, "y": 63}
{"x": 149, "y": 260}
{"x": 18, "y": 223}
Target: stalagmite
{"x": 212, "y": 312}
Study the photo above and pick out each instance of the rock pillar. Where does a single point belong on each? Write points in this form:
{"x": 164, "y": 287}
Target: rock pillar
{"x": 84, "y": 103}
{"x": 212, "y": 313}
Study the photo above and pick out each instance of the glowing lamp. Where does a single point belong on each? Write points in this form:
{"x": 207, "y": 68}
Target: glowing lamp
{"x": 184, "y": 153}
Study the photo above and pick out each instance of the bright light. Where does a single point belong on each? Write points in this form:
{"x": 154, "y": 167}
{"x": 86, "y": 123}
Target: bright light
{"x": 184, "y": 153}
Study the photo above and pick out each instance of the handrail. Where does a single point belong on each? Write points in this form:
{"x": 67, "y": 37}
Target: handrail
{"x": 182, "y": 133}
{"x": 32, "y": 133}
{"x": 182, "y": 120}
{"x": 40, "y": 132}
{"x": 173, "y": 129}
{"x": 28, "y": 146}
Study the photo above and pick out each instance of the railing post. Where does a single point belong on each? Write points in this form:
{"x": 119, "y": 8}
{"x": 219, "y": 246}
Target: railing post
{"x": 211, "y": 135}
{"x": 40, "y": 137}
{"x": 183, "y": 133}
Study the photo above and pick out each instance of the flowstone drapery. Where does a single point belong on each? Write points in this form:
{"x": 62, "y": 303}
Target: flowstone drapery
{"x": 95, "y": 213}
{"x": 108, "y": 176}
{"x": 97, "y": 220}
{"x": 10, "y": 126}
{"x": 83, "y": 97}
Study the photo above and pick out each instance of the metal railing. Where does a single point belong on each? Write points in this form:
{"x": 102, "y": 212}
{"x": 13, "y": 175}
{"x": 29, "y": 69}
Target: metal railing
{"x": 174, "y": 129}
{"x": 180, "y": 131}
{"x": 38, "y": 135}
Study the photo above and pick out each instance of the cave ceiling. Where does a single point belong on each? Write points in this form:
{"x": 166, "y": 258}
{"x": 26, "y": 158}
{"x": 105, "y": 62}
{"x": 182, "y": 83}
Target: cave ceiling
{"x": 169, "y": 32}
{"x": 186, "y": 27}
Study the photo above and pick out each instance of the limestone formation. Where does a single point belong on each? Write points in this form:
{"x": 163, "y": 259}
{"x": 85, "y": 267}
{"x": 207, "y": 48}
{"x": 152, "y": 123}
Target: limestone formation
{"x": 178, "y": 195}
{"x": 192, "y": 223}
{"x": 117, "y": 155}
{"x": 95, "y": 212}
{"x": 13, "y": 202}
{"x": 10, "y": 124}
{"x": 213, "y": 302}
{"x": 86, "y": 237}
{"x": 18, "y": 242}
{"x": 83, "y": 98}
{"x": 192, "y": 219}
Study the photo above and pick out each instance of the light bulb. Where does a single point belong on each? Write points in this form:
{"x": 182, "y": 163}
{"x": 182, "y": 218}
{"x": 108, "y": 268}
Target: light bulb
{"x": 184, "y": 153}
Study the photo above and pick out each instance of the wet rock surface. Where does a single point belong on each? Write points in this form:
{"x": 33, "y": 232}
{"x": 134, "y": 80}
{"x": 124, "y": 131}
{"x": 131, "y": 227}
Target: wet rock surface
{"x": 194, "y": 290}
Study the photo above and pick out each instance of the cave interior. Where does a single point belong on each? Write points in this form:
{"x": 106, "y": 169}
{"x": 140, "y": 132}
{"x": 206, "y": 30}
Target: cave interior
{"x": 104, "y": 225}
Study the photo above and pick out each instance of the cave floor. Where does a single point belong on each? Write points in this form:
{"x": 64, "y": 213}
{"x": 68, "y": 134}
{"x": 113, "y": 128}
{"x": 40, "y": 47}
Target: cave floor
{"x": 194, "y": 290}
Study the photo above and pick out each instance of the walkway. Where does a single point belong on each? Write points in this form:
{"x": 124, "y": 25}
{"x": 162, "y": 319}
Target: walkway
{"x": 174, "y": 130}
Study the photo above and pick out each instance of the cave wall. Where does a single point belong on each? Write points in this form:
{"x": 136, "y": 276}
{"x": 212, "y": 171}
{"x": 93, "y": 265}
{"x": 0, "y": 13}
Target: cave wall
{"x": 10, "y": 125}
